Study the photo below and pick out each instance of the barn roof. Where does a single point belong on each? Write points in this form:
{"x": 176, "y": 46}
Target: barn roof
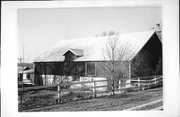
{"x": 77, "y": 52}
{"x": 94, "y": 47}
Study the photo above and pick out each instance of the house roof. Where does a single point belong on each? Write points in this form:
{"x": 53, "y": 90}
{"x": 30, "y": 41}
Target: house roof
{"x": 94, "y": 47}
{"x": 30, "y": 71}
{"x": 20, "y": 69}
{"x": 30, "y": 65}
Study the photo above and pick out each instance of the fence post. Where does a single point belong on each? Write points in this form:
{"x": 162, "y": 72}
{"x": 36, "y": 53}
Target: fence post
{"x": 119, "y": 86}
{"x": 113, "y": 87}
{"x": 94, "y": 89}
{"x": 155, "y": 81}
{"x": 22, "y": 92}
{"x": 139, "y": 83}
{"x": 59, "y": 88}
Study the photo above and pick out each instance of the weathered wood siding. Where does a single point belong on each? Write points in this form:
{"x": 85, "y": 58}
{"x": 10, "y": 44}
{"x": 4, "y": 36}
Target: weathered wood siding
{"x": 46, "y": 70}
{"x": 146, "y": 61}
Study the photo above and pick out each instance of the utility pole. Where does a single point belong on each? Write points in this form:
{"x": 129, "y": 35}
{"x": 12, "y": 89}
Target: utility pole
{"x": 20, "y": 60}
{"x": 22, "y": 76}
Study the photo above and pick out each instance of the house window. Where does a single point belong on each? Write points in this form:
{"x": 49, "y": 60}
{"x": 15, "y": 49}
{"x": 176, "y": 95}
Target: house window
{"x": 20, "y": 76}
{"x": 90, "y": 69}
{"x": 28, "y": 76}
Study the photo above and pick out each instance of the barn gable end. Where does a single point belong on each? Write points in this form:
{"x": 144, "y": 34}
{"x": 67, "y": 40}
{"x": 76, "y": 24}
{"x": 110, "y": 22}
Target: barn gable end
{"x": 145, "y": 62}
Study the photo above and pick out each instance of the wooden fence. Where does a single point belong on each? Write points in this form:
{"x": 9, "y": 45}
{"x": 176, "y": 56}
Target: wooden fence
{"x": 139, "y": 83}
{"x": 147, "y": 81}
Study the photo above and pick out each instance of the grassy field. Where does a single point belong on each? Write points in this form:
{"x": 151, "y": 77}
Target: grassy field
{"x": 36, "y": 100}
{"x": 106, "y": 103}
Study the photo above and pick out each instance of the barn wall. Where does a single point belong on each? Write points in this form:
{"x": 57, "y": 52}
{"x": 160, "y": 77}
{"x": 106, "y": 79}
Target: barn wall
{"x": 51, "y": 71}
{"x": 101, "y": 70}
{"x": 120, "y": 67}
{"x": 146, "y": 61}
{"x": 45, "y": 70}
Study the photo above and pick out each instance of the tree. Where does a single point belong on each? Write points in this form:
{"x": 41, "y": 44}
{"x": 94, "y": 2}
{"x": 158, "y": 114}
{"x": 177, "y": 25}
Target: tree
{"x": 115, "y": 67}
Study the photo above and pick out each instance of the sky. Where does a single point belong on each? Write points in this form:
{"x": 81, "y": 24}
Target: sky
{"x": 40, "y": 29}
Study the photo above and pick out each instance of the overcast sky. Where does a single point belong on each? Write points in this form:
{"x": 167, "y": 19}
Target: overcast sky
{"x": 40, "y": 29}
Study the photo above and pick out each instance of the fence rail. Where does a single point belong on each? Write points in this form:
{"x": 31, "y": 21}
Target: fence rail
{"x": 136, "y": 83}
{"x": 37, "y": 87}
{"x": 144, "y": 81}
{"x": 146, "y": 77}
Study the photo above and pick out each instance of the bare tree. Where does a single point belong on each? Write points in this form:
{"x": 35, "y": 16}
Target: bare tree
{"x": 115, "y": 51}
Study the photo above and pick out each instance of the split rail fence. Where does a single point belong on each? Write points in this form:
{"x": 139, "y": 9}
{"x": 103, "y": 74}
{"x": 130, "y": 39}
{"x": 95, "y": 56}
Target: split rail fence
{"x": 146, "y": 82}
{"x": 139, "y": 83}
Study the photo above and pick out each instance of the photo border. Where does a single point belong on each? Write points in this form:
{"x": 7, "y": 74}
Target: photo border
{"x": 170, "y": 31}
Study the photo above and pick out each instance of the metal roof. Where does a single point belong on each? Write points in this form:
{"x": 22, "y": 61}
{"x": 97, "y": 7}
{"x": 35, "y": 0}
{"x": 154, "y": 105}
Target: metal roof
{"x": 94, "y": 47}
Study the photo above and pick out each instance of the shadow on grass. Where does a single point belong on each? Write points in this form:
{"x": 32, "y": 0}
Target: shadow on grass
{"x": 45, "y": 100}
{"x": 38, "y": 101}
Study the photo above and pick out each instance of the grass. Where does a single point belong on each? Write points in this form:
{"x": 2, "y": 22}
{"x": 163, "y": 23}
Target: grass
{"x": 42, "y": 98}
{"x": 37, "y": 100}
{"x": 106, "y": 103}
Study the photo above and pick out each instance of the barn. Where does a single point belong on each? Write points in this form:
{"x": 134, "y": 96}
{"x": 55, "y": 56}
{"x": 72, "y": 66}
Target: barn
{"x": 85, "y": 58}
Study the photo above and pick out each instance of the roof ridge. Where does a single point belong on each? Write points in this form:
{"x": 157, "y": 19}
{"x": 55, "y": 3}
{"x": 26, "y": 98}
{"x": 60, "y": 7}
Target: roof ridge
{"x": 107, "y": 35}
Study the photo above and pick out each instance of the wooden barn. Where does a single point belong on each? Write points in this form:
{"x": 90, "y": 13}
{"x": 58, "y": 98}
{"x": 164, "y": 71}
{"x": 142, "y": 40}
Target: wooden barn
{"x": 77, "y": 59}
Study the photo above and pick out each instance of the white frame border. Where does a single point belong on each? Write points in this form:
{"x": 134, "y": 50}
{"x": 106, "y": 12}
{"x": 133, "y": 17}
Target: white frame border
{"x": 170, "y": 54}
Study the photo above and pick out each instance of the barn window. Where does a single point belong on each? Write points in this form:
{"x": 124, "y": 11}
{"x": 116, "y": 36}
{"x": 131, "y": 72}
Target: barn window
{"x": 90, "y": 69}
